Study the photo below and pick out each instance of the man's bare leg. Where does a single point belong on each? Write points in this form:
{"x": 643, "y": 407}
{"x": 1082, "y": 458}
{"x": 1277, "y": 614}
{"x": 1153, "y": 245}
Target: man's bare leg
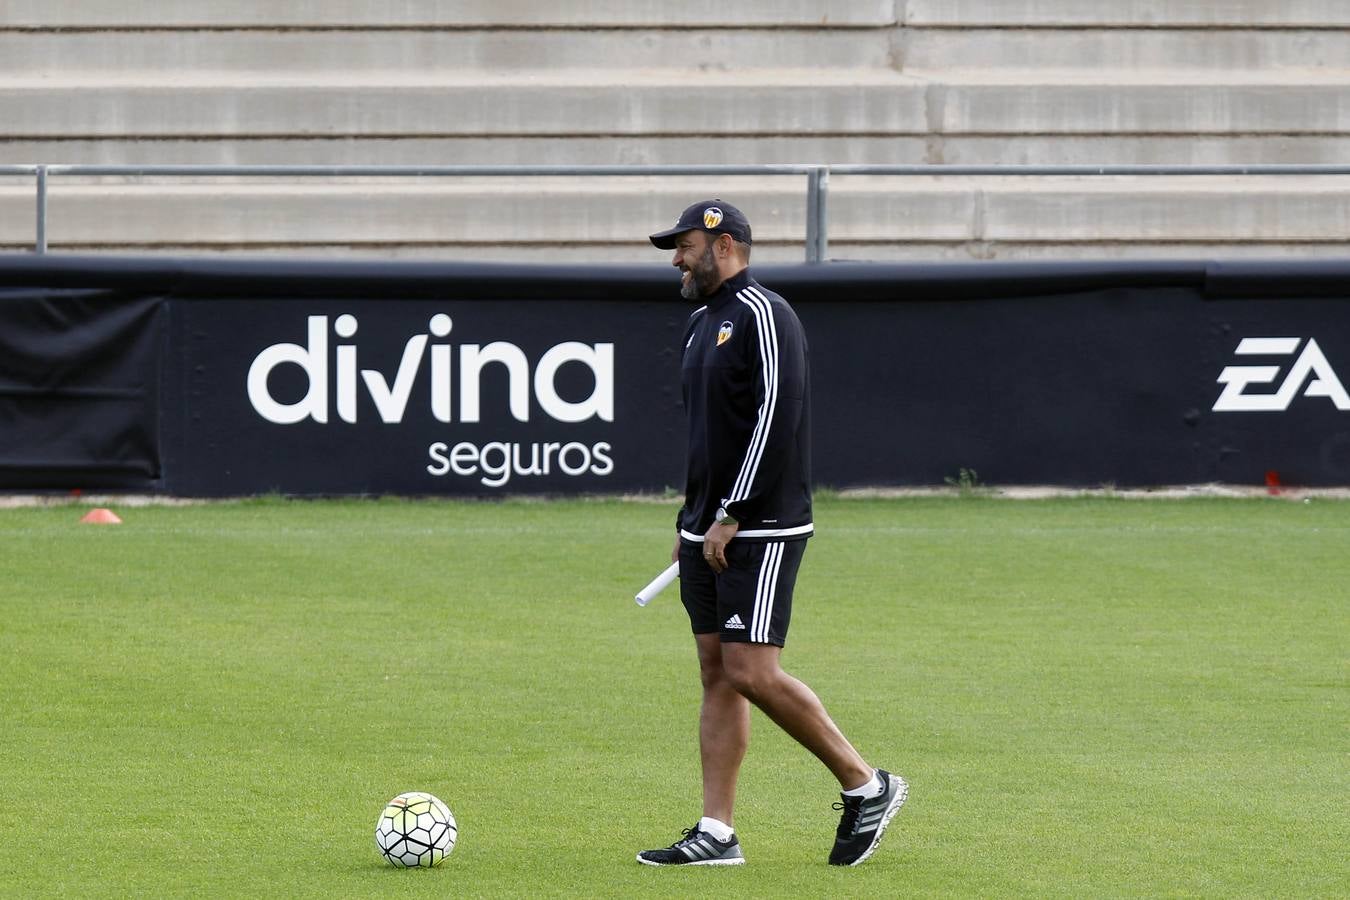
{"x": 723, "y": 731}
{"x": 755, "y": 672}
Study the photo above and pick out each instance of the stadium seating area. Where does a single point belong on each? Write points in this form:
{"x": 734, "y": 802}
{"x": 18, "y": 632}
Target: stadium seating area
{"x": 1045, "y": 82}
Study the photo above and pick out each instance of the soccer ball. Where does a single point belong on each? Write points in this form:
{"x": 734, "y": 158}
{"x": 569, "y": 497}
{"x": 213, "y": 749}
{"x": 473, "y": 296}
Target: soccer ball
{"x": 416, "y": 829}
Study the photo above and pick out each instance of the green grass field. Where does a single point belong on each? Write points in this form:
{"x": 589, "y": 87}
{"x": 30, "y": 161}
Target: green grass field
{"x": 1090, "y": 697}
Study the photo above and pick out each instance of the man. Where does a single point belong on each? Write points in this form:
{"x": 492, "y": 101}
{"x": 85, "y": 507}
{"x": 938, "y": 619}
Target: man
{"x": 741, "y": 536}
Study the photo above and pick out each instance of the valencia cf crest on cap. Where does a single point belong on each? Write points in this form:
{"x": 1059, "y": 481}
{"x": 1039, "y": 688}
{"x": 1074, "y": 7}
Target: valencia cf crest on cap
{"x": 712, "y": 216}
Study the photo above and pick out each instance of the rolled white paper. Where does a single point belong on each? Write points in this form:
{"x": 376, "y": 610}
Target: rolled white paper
{"x": 658, "y": 584}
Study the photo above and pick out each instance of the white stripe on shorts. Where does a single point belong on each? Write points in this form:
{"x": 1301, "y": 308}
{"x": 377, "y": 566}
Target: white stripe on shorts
{"x": 765, "y": 591}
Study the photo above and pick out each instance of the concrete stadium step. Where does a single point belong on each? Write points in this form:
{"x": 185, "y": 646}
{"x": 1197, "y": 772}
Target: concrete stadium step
{"x": 1051, "y": 150}
{"x": 656, "y": 102}
{"x": 1157, "y": 101}
{"x": 1046, "y": 49}
{"x": 1142, "y": 149}
{"x": 629, "y": 253}
{"x": 474, "y": 150}
{"x": 982, "y": 251}
{"x": 441, "y": 14}
{"x": 1127, "y": 13}
{"x": 543, "y": 215}
{"x": 143, "y": 14}
{"x": 567, "y": 102}
{"x": 65, "y": 53}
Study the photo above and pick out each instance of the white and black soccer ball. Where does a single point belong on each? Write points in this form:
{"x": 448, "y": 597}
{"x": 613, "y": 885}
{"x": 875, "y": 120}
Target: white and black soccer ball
{"x": 416, "y": 829}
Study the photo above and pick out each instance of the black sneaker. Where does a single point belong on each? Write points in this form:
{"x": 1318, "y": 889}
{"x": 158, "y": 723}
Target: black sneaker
{"x": 696, "y": 848}
{"x": 864, "y": 820}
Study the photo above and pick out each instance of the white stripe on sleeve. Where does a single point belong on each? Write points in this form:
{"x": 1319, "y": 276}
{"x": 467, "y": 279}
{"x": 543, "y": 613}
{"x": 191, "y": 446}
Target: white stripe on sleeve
{"x": 768, "y": 340}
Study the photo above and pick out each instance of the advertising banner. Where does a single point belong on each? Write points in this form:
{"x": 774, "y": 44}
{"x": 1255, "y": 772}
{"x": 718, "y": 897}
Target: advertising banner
{"x": 415, "y": 396}
{"x": 224, "y": 377}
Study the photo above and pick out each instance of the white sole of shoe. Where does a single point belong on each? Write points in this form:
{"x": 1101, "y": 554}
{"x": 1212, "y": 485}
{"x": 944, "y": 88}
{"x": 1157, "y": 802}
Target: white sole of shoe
{"x": 701, "y": 862}
{"x": 901, "y": 794}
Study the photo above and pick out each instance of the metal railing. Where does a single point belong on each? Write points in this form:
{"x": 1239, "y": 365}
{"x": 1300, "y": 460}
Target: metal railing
{"x": 817, "y": 178}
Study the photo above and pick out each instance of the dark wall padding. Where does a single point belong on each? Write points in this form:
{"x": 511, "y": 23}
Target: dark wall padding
{"x": 227, "y": 377}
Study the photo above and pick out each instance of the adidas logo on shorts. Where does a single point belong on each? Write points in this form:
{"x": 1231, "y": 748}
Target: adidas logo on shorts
{"x": 735, "y": 622}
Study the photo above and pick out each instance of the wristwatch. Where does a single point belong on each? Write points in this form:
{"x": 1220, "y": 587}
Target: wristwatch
{"x": 723, "y": 517}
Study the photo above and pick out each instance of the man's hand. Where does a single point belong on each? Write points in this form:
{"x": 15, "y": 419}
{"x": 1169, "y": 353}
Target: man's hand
{"x": 715, "y": 545}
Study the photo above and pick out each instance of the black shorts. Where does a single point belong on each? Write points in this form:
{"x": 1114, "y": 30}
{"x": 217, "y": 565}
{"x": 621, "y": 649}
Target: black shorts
{"x": 752, "y": 600}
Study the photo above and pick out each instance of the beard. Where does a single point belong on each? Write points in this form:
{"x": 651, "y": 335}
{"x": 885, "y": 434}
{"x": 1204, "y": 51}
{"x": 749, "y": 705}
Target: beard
{"x": 702, "y": 277}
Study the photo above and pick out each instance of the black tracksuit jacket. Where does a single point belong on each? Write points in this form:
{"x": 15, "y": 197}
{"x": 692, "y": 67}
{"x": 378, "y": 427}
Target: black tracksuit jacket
{"x": 746, "y": 392}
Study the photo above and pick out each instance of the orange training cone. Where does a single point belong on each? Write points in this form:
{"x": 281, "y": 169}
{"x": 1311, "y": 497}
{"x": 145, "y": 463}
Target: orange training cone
{"x": 101, "y": 516}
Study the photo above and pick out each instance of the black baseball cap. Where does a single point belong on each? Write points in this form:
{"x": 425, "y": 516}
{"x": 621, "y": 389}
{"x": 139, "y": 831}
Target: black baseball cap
{"x": 712, "y": 216}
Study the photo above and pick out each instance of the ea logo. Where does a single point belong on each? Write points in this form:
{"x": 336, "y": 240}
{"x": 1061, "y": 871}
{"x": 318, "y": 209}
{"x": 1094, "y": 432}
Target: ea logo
{"x": 712, "y": 217}
{"x": 1311, "y": 364}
